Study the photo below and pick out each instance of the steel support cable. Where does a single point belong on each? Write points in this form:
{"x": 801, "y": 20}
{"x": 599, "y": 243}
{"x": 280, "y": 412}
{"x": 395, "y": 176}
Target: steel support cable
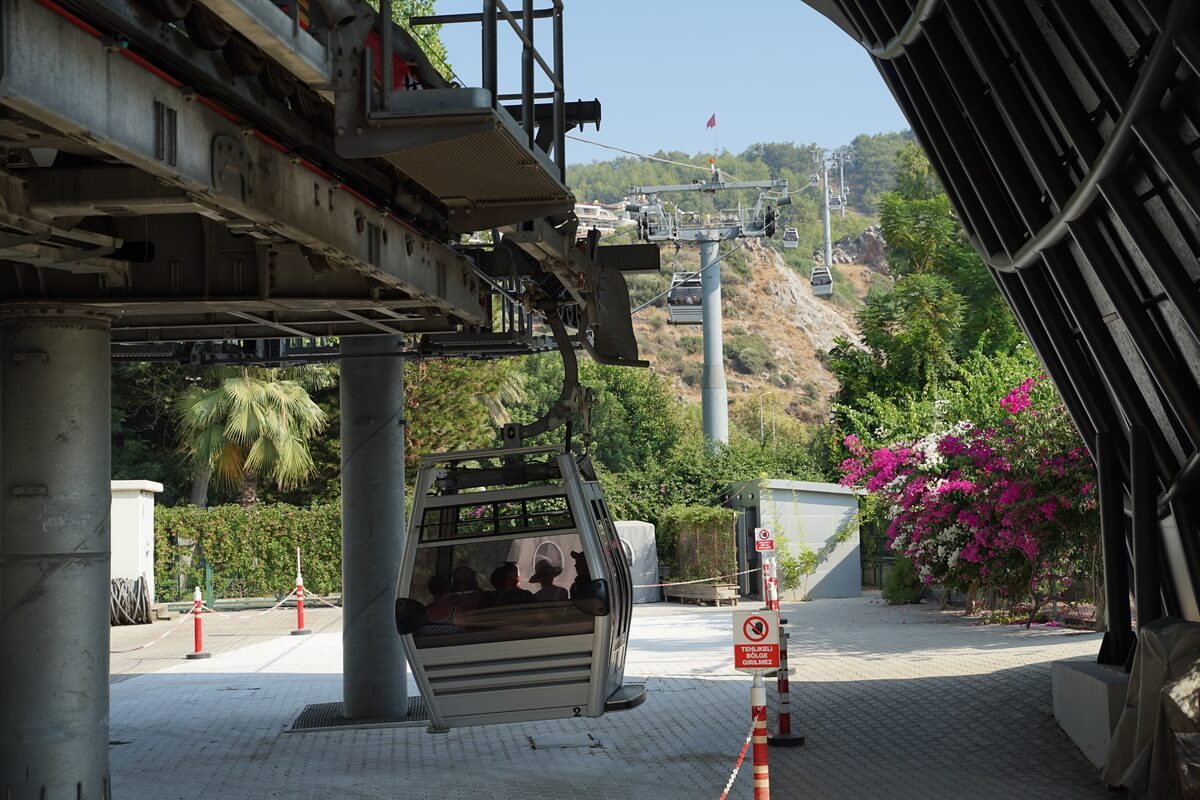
{"x": 1150, "y": 86}
{"x": 713, "y": 263}
{"x": 649, "y": 158}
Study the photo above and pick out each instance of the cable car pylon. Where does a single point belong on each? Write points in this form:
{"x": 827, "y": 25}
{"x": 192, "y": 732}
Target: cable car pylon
{"x": 514, "y": 598}
{"x": 657, "y": 224}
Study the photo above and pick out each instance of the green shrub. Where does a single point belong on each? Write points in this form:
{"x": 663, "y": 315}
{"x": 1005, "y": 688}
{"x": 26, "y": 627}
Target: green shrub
{"x": 795, "y": 567}
{"x": 691, "y": 344}
{"x": 698, "y": 541}
{"x": 691, "y": 373}
{"x": 644, "y": 287}
{"x": 252, "y": 551}
{"x": 749, "y": 353}
{"x": 902, "y": 586}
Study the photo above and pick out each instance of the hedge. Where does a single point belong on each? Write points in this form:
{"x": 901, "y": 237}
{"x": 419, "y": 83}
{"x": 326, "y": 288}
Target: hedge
{"x": 699, "y": 541}
{"x": 252, "y": 551}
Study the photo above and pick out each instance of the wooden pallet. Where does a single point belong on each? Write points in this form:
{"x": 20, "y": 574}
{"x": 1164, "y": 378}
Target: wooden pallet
{"x": 716, "y": 594}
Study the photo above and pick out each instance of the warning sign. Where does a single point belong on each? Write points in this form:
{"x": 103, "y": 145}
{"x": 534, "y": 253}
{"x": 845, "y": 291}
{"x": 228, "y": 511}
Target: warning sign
{"x": 755, "y": 640}
{"x": 764, "y": 539}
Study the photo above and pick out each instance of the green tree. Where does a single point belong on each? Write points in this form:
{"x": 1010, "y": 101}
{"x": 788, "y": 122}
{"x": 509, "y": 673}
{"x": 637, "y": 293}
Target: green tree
{"x": 456, "y": 404}
{"x": 144, "y": 440}
{"x": 872, "y": 168}
{"x": 428, "y": 36}
{"x": 243, "y": 424}
{"x": 918, "y": 232}
{"x": 915, "y": 178}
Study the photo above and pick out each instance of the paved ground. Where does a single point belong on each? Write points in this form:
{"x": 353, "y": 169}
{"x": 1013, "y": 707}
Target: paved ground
{"x": 895, "y": 702}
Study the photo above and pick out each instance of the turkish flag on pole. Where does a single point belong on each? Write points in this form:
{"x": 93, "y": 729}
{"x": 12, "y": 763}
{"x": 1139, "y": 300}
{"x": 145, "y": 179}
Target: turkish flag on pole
{"x": 712, "y": 122}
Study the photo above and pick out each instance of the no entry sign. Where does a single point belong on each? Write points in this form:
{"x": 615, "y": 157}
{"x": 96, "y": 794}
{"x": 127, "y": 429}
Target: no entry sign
{"x": 755, "y": 640}
{"x": 764, "y": 539}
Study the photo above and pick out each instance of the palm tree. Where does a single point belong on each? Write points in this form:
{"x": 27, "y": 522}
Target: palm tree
{"x": 244, "y": 424}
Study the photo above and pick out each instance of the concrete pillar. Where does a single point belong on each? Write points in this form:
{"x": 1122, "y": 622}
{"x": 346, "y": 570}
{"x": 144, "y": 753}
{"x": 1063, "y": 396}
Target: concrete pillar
{"x": 714, "y": 396}
{"x": 374, "y": 674}
{"x": 55, "y": 467}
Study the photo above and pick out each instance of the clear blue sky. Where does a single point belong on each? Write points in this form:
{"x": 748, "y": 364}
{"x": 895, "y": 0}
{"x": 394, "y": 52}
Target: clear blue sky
{"x": 771, "y": 70}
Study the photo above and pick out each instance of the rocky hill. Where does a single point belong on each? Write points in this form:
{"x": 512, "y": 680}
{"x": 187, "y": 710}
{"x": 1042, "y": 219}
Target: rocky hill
{"x": 775, "y": 329}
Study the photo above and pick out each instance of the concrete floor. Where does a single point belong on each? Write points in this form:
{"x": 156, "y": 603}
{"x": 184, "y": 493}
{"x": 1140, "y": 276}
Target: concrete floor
{"x": 896, "y": 702}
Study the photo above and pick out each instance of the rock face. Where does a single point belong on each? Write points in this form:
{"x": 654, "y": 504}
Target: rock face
{"x": 866, "y": 248}
{"x": 773, "y": 301}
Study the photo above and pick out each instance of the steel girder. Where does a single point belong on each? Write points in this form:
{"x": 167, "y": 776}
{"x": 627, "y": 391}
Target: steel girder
{"x": 183, "y": 155}
{"x": 1066, "y": 135}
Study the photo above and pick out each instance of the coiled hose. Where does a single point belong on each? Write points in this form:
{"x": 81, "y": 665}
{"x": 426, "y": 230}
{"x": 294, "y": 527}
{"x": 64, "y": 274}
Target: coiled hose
{"x": 128, "y": 601}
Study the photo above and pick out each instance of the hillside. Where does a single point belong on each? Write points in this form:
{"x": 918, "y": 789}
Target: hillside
{"x": 775, "y": 330}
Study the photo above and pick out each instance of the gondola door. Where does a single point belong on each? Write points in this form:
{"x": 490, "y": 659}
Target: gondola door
{"x": 620, "y": 591}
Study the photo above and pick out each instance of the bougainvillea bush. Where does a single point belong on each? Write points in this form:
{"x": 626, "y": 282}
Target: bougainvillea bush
{"x": 1010, "y": 507}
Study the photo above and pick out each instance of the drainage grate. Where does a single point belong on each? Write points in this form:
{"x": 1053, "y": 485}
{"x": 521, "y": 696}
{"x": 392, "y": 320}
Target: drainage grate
{"x": 328, "y": 717}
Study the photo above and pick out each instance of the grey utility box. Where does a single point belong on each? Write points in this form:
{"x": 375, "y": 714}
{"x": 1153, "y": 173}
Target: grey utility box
{"x": 641, "y": 551}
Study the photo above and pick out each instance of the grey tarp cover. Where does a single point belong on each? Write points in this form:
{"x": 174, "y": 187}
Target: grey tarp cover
{"x": 1155, "y": 749}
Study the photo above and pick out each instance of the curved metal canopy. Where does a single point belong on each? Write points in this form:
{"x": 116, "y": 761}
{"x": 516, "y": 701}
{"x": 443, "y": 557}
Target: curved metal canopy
{"x": 1066, "y": 137}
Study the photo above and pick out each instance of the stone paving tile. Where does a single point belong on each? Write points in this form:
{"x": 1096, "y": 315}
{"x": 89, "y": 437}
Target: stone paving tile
{"x": 224, "y": 631}
{"x": 895, "y": 702}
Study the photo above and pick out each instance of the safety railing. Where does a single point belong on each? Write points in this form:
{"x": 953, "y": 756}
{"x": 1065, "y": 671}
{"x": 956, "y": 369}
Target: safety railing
{"x": 493, "y": 12}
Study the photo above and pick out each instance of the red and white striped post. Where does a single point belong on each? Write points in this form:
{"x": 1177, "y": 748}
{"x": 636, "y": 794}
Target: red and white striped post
{"x": 758, "y": 712}
{"x": 198, "y": 650}
{"x": 770, "y": 581}
{"x": 783, "y": 727}
{"x": 300, "y": 629}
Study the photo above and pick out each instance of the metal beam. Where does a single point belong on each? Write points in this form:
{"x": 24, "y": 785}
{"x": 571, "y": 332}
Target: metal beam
{"x": 241, "y": 174}
{"x": 269, "y": 323}
{"x": 272, "y": 30}
{"x": 381, "y": 327}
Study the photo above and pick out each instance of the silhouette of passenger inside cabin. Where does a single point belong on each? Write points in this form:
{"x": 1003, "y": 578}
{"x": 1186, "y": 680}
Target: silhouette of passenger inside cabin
{"x": 505, "y": 578}
{"x": 582, "y": 587}
{"x": 544, "y": 573}
{"x": 464, "y": 587}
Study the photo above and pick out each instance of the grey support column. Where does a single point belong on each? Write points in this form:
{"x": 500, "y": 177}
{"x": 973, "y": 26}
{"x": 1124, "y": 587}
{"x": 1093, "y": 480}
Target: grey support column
{"x": 55, "y": 468}
{"x": 374, "y": 674}
{"x": 714, "y": 396}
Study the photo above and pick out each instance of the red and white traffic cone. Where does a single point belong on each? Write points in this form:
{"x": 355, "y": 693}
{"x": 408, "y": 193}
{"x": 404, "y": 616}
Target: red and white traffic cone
{"x": 300, "y": 629}
{"x": 198, "y": 650}
{"x": 783, "y": 726}
{"x": 758, "y": 712}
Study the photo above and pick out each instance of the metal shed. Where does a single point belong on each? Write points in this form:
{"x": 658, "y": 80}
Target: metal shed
{"x": 807, "y": 514}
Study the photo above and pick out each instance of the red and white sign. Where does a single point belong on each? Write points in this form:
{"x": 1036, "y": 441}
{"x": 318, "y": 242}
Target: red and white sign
{"x": 764, "y": 539}
{"x": 755, "y": 640}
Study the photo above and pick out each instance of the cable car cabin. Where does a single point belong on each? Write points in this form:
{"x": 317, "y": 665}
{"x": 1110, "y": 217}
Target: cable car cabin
{"x": 822, "y": 281}
{"x": 685, "y": 303}
{"x": 515, "y": 596}
{"x": 791, "y": 238}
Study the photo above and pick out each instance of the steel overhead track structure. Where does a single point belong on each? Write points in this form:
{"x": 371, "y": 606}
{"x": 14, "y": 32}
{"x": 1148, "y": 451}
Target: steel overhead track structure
{"x": 1066, "y": 134}
{"x": 198, "y": 171}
